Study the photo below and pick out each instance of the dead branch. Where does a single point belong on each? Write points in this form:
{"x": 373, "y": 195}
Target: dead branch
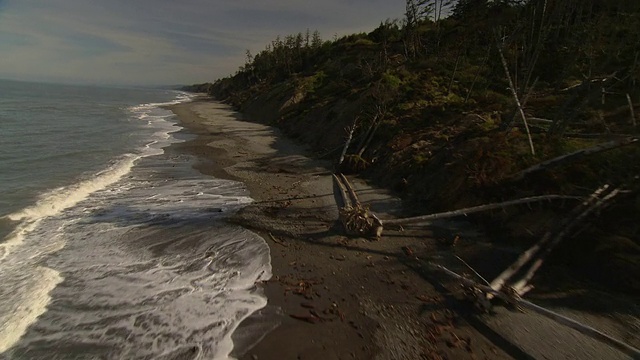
{"x": 559, "y": 126}
{"x": 526, "y": 256}
{"x": 596, "y": 135}
{"x": 633, "y": 115}
{"x": 475, "y": 77}
{"x": 453, "y": 76}
{"x": 596, "y": 80}
{"x": 514, "y": 93}
{"x": 477, "y": 274}
{"x": 366, "y": 135}
{"x": 540, "y": 120}
{"x": 614, "y": 144}
{"x": 371, "y": 134}
{"x": 348, "y": 141}
{"x": 522, "y": 286}
{"x": 475, "y": 209}
{"x": 525, "y": 100}
{"x": 516, "y": 300}
{"x": 278, "y": 241}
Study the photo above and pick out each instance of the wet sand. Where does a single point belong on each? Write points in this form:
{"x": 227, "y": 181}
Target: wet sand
{"x": 338, "y": 297}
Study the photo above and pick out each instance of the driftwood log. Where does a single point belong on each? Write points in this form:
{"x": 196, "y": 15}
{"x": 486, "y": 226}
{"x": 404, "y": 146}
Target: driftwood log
{"x": 512, "y": 298}
{"x": 523, "y": 285}
{"x": 356, "y": 219}
{"x": 360, "y": 221}
{"x": 475, "y": 209}
{"x": 550, "y": 240}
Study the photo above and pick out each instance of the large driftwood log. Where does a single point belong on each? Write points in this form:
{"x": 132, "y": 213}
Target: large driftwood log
{"x": 346, "y": 199}
{"x": 512, "y": 298}
{"x": 475, "y": 209}
{"x": 356, "y": 219}
{"x": 610, "y": 145}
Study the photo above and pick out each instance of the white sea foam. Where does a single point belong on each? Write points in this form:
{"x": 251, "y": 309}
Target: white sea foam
{"x": 26, "y": 284}
{"x": 152, "y": 275}
{"x": 148, "y": 270}
{"x": 60, "y": 199}
{"x": 15, "y": 323}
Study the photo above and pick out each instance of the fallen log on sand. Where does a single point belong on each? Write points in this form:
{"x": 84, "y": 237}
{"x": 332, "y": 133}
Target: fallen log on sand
{"x": 475, "y": 209}
{"x": 360, "y": 221}
{"x": 514, "y": 299}
{"x": 573, "y": 218}
{"x": 356, "y": 219}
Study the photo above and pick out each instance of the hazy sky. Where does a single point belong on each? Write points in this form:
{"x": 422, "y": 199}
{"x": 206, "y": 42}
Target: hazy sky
{"x": 161, "y": 41}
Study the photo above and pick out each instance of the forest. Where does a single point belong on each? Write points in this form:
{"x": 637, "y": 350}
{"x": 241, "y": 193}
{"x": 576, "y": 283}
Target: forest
{"x": 461, "y": 103}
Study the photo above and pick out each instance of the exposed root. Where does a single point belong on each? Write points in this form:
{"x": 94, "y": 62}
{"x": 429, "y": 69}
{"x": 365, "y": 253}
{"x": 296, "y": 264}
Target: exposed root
{"x": 356, "y": 219}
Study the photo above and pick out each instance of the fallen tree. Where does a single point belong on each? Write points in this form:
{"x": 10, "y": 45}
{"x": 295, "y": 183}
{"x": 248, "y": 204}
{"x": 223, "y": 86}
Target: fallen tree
{"x": 476, "y": 209}
{"x": 598, "y": 199}
{"x": 610, "y": 145}
{"x": 512, "y": 298}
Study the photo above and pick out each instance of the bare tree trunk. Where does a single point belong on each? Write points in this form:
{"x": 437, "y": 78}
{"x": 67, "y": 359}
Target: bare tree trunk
{"x": 524, "y": 103}
{"x": 364, "y": 139}
{"x": 348, "y": 141}
{"x": 475, "y": 77}
{"x": 515, "y": 96}
{"x": 542, "y": 34}
{"x": 522, "y": 286}
{"x": 455, "y": 69}
{"x": 559, "y": 127}
{"x": 635, "y": 63}
{"x": 571, "y": 156}
{"x": 584, "y": 329}
{"x": 371, "y": 135}
{"x": 522, "y": 260}
{"x": 633, "y": 115}
{"x": 475, "y": 209}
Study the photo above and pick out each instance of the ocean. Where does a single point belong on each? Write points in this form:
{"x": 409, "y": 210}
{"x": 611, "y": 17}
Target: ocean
{"x": 112, "y": 245}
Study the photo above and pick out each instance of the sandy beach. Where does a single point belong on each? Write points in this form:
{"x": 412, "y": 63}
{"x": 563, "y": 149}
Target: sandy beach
{"x": 338, "y": 297}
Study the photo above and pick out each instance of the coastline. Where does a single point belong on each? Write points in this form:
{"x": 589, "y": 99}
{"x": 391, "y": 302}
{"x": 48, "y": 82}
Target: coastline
{"x": 332, "y": 296}
{"x": 364, "y": 293}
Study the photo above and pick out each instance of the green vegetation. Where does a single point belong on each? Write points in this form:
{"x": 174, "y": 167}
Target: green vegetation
{"x": 432, "y": 101}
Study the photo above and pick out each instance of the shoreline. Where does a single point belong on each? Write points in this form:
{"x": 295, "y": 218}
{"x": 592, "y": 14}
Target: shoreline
{"x": 332, "y": 296}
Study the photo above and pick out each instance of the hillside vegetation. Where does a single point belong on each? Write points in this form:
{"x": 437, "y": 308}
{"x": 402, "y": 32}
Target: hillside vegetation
{"x": 448, "y": 110}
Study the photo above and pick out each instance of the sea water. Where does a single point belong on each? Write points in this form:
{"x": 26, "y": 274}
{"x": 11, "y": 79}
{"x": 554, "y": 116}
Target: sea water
{"x": 110, "y": 245}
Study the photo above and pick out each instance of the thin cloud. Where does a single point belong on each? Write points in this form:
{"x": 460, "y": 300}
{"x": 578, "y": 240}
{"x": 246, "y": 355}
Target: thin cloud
{"x": 160, "y": 41}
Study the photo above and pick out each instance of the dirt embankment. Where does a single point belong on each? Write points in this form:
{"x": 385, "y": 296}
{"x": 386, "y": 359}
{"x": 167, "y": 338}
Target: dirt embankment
{"x": 452, "y": 161}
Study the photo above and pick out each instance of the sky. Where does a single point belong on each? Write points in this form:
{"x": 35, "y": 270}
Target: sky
{"x": 162, "y": 42}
